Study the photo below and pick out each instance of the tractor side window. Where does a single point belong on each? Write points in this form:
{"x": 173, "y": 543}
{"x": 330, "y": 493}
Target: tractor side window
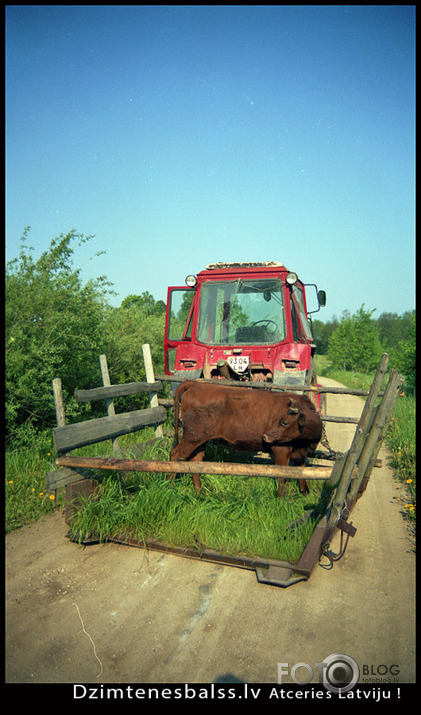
{"x": 299, "y": 300}
{"x": 180, "y": 304}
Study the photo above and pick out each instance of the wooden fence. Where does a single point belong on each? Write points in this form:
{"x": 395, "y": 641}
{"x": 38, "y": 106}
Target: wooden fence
{"x": 348, "y": 476}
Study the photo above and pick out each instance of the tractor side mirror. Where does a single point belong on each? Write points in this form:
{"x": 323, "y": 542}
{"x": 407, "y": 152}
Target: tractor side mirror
{"x": 321, "y": 296}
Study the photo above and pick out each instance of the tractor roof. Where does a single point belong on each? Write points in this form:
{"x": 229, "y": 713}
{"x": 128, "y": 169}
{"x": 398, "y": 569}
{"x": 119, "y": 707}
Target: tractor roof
{"x": 264, "y": 264}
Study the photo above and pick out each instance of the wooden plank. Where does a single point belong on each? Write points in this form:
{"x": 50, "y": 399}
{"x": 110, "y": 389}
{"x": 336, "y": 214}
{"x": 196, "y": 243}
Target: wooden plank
{"x": 345, "y": 420}
{"x": 247, "y": 470}
{"x": 59, "y": 478}
{"x": 84, "y": 433}
{"x": 271, "y": 386}
{"x": 112, "y": 391}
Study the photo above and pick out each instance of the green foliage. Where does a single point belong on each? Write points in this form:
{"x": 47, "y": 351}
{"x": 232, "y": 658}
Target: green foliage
{"x": 139, "y": 320}
{"x": 339, "y": 342}
{"x": 322, "y": 332}
{"x": 54, "y": 327}
{"x": 401, "y": 441}
{"x": 145, "y": 301}
{"x": 355, "y": 345}
{"x": 403, "y": 356}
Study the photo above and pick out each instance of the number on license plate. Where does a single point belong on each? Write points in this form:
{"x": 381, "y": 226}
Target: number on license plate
{"x": 238, "y": 363}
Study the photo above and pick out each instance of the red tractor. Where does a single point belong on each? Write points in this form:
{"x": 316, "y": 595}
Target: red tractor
{"x": 244, "y": 322}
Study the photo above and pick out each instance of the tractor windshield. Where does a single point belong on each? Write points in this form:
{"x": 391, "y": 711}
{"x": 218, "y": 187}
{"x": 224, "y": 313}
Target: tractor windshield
{"x": 241, "y": 312}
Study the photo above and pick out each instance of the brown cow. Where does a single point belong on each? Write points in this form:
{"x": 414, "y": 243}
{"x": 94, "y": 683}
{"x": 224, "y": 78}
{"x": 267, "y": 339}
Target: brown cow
{"x": 259, "y": 420}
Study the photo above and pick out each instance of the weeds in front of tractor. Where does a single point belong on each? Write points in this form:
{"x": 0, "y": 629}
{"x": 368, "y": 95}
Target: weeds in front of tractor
{"x": 232, "y": 515}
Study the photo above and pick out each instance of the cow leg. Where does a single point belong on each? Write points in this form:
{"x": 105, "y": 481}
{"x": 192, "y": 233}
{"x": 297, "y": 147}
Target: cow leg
{"x": 189, "y": 453}
{"x": 281, "y": 455}
{"x": 198, "y": 457}
{"x": 303, "y": 487}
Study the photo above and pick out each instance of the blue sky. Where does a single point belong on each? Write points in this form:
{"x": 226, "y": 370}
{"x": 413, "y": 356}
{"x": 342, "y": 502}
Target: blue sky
{"x": 184, "y": 135}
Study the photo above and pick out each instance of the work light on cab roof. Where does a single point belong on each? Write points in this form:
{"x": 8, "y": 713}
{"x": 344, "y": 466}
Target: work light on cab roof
{"x": 242, "y": 322}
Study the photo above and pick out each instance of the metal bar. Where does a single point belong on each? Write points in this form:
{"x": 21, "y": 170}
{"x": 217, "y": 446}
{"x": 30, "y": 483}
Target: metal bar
{"x": 245, "y": 562}
{"x": 223, "y": 468}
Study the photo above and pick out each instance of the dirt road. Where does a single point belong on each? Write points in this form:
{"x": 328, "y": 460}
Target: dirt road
{"x": 115, "y": 614}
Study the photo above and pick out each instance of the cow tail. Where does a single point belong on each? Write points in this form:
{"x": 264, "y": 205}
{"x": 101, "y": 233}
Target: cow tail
{"x": 177, "y": 396}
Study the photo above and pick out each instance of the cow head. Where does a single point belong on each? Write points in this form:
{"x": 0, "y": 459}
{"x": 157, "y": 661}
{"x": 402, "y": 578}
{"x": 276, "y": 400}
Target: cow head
{"x": 291, "y": 426}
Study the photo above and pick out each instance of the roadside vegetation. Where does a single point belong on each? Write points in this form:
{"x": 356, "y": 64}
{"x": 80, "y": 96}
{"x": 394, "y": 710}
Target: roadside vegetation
{"x": 400, "y": 439}
{"x": 57, "y": 326}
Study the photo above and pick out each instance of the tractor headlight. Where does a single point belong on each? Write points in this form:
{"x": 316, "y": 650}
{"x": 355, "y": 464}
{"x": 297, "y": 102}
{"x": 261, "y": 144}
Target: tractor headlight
{"x": 191, "y": 281}
{"x": 291, "y": 278}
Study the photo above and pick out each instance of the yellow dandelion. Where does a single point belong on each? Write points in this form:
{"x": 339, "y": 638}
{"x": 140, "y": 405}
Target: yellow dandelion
{"x": 52, "y": 496}
{"x": 41, "y": 494}
{"x": 11, "y": 481}
{"x": 408, "y": 481}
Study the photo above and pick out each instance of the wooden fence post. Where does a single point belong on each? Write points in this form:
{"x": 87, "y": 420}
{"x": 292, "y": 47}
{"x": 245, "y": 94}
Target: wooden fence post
{"x": 60, "y": 412}
{"x": 58, "y": 402}
{"x": 150, "y": 377}
{"x": 109, "y": 403}
{"x": 82, "y": 487}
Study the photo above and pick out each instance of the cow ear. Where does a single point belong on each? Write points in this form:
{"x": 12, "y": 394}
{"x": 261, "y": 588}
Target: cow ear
{"x": 293, "y": 407}
{"x": 301, "y": 419}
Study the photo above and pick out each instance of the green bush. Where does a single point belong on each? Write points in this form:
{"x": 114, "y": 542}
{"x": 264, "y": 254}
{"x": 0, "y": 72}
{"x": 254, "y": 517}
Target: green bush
{"x": 355, "y": 344}
{"x": 54, "y": 328}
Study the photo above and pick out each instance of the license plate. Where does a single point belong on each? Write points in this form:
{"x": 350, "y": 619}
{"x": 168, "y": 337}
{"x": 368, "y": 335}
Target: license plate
{"x": 238, "y": 363}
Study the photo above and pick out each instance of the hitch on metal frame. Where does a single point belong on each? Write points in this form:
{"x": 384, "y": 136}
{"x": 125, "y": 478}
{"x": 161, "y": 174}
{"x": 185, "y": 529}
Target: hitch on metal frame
{"x": 344, "y": 528}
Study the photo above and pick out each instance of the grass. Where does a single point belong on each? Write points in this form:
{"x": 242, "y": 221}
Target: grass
{"x": 401, "y": 442}
{"x": 26, "y": 498}
{"x": 235, "y": 516}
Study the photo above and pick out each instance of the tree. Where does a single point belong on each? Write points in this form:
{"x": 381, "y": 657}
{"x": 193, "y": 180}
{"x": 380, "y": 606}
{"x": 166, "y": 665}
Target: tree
{"x": 355, "y": 344}
{"x": 146, "y": 301}
{"x": 322, "y": 332}
{"x": 53, "y": 329}
{"x": 403, "y": 356}
{"x": 127, "y": 328}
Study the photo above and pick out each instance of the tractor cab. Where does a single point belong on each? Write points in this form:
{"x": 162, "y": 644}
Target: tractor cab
{"x": 243, "y": 322}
